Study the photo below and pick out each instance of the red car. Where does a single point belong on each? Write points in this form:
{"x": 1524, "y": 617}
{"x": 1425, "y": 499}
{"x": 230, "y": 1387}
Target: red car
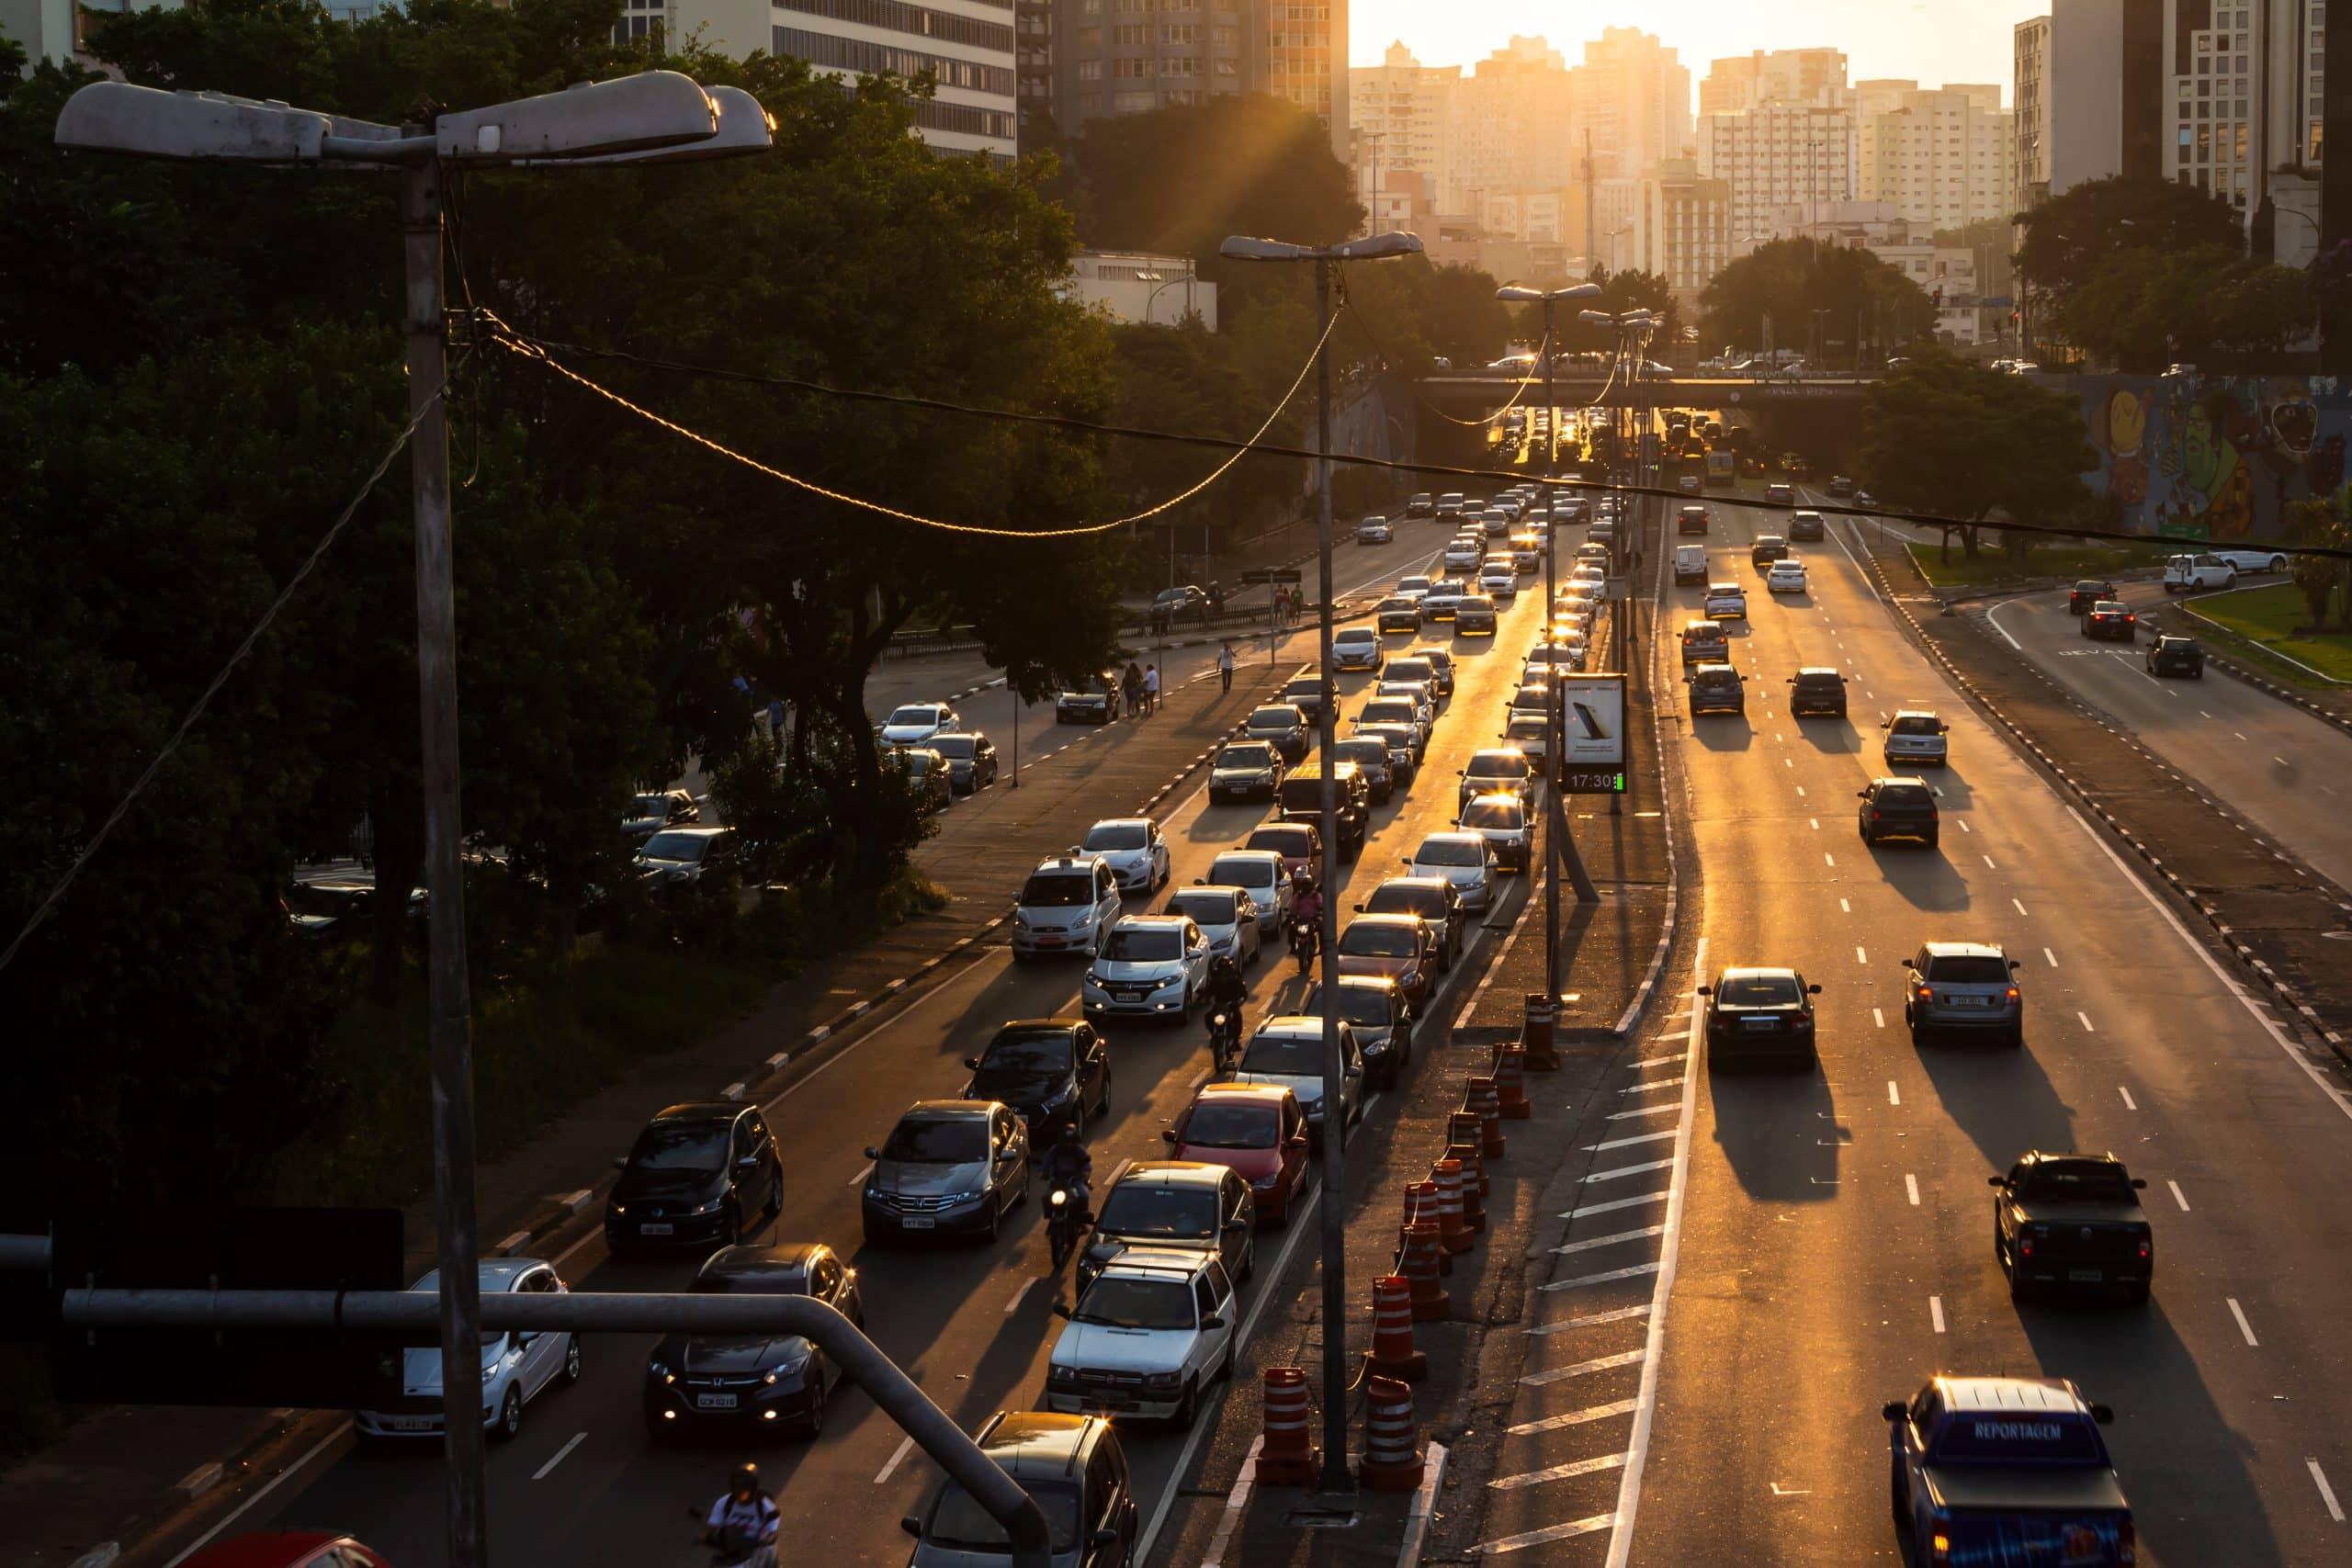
{"x": 1256, "y": 1130}
{"x": 1299, "y": 844}
{"x": 1395, "y": 946}
{"x": 286, "y": 1548}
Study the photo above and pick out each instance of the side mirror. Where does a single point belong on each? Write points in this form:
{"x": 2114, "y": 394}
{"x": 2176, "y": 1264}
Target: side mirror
{"x": 1299, "y": 1142}
{"x": 1706, "y": 990}
{"x": 1892, "y": 1410}
{"x": 1861, "y": 795}
{"x": 1213, "y": 1321}
{"x": 912, "y": 1526}
{"x": 973, "y": 1063}
{"x": 2139, "y": 1183}
{"x": 1060, "y": 1310}
{"x": 1813, "y": 990}
{"x": 748, "y": 1162}
{"x": 1168, "y": 1134}
{"x": 2104, "y": 1414}
{"x": 873, "y": 1153}
{"x": 621, "y": 1162}
{"x": 2013, "y": 963}
{"x": 1235, "y": 1227}
{"x": 1996, "y": 1181}
{"x": 1104, "y": 1540}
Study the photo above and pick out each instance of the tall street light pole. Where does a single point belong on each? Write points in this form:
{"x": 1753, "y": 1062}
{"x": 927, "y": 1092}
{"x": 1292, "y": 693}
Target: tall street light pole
{"x": 658, "y": 116}
{"x": 1241, "y": 247}
{"x": 1554, "y": 814}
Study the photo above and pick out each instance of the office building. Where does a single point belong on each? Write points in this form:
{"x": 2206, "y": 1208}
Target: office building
{"x": 1682, "y": 228}
{"x": 2030, "y": 100}
{"x": 1632, "y": 97}
{"x": 2243, "y": 79}
{"x": 1115, "y": 57}
{"x": 1940, "y": 155}
{"x": 2103, "y": 91}
{"x": 1778, "y": 76}
{"x": 1401, "y": 113}
{"x": 1779, "y": 157}
{"x": 1510, "y": 130}
{"x": 1137, "y": 287}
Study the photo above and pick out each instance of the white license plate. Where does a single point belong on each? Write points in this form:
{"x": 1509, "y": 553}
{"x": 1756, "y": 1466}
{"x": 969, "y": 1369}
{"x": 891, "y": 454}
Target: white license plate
{"x": 1759, "y": 1025}
{"x": 410, "y": 1423}
{"x": 713, "y": 1402}
{"x": 2085, "y": 1276}
{"x": 1049, "y": 942}
{"x": 650, "y": 1228}
{"x": 919, "y": 1223}
{"x": 1969, "y": 1001}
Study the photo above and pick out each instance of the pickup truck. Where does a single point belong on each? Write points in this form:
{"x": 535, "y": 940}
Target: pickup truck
{"x": 2072, "y": 1220}
{"x": 2003, "y": 1473}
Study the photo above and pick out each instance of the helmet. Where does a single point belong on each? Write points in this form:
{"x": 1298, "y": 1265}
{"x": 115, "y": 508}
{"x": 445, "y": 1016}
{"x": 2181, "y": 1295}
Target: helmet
{"x": 747, "y": 1478}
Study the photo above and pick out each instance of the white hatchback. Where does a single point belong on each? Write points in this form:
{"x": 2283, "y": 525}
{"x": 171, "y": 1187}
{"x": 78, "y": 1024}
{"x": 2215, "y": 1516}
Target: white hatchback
{"x": 914, "y": 723}
{"x": 514, "y": 1367}
{"x": 1463, "y": 859}
{"x": 1725, "y": 601}
{"x": 1156, "y": 1325}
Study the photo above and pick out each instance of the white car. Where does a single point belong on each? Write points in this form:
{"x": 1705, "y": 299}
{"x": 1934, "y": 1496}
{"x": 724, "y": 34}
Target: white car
{"x": 1356, "y": 648}
{"x": 2253, "y": 560}
{"x": 1725, "y": 601}
{"x": 2198, "y": 573}
{"x": 1287, "y": 1051}
{"x": 1374, "y": 531}
{"x": 1916, "y": 735}
{"x": 1154, "y": 1329}
{"x": 1462, "y": 859}
{"x": 514, "y": 1367}
{"x": 1463, "y": 556}
{"x": 1133, "y": 848}
{"x": 1526, "y": 731}
{"x": 1068, "y": 905}
{"x": 1418, "y": 694}
{"x": 1589, "y": 571}
{"x": 914, "y": 723}
{"x": 1152, "y": 966}
{"x": 1499, "y": 581}
{"x": 1226, "y": 916}
{"x": 1443, "y": 598}
{"x": 1786, "y": 576}
{"x": 1263, "y": 875}
{"x": 1412, "y": 588}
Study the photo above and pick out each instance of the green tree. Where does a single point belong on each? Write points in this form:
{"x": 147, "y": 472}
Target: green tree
{"x": 1958, "y": 440}
{"x": 2319, "y": 521}
{"x": 2069, "y": 236}
{"x": 2142, "y": 308}
{"x": 1787, "y": 286}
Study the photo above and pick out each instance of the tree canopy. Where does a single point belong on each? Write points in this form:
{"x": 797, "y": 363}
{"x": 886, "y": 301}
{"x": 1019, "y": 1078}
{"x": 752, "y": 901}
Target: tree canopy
{"x": 2069, "y": 235}
{"x": 2143, "y": 306}
{"x": 1777, "y": 287}
{"x": 1950, "y": 438}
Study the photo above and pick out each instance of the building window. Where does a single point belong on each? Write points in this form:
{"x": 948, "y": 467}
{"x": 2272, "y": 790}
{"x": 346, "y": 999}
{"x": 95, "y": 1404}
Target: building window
{"x": 898, "y": 16}
{"x": 870, "y": 58}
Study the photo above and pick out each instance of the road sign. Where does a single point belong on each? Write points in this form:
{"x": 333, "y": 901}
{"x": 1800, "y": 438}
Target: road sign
{"x": 1592, "y": 741}
{"x": 1273, "y": 574}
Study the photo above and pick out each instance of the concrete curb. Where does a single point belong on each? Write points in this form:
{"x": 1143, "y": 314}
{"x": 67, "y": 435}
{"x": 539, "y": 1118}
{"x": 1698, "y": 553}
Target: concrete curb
{"x": 2261, "y": 972}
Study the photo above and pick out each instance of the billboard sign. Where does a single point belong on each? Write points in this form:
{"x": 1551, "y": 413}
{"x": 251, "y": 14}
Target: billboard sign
{"x": 1592, "y": 734}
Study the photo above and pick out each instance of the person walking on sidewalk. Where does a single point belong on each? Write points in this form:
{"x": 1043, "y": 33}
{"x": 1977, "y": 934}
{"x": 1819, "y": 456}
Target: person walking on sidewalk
{"x": 1132, "y": 682}
{"x": 1151, "y": 688}
{"x": 1225, "y": 666}
{"x": 1282, "y": 602}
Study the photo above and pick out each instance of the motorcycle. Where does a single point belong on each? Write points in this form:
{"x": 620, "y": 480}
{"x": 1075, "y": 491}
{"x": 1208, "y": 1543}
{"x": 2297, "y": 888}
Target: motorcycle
{"x": 1225, "y": 1038}
{"x": 1064, "y": 1220}
{"x": 1303, "y": 941}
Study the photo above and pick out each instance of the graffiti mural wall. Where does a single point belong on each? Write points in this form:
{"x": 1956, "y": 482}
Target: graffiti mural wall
{"x": 2214, "y": 457}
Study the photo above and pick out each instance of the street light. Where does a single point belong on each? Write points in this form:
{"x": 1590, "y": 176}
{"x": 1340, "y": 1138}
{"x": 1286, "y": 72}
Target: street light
{"x": 1557, "y": 844}
{"x": 1375, "y": 247}
{"x": 656, "y": 115}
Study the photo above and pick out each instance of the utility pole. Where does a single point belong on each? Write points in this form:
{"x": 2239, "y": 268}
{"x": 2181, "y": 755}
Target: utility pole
{"x": 1591, "y": 239}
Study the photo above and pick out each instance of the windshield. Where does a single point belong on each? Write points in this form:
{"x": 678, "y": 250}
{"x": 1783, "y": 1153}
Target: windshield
{"x": 962, "y": 1524}
{"x": 1366, "y": 940}
{"x": 938, "y": 1140}
{"x": 1028, "y": 1052}
{"x": 1117, "y": 1302}
{"x": 1285, "y": 1056}
{"x": 1243, "y": 872}
{"x": 1058, "y": 892}
{"x": 698, "y": 1146}
{"x": 2074, "y": 1181}
{"x": 1153, "y": 944}
{"x": 1758, "y": 991}
{"x": 1511, "y": 766}
{"x": 1367, "y": 753}
{"x": 1449, "y": 851}
{"x": 919, "y": 713}
{"x": 1972, "y": 971}
{"x": 1135, "y": 1210}
{"x": 1222, "y": 1124}
{"x": 1117, "y": 836}
{"x": 1494, "y": 814}
{"x": 677, "y": 846}
{"x": 1205, "y": 907}
{"x": 1246, "y": 757}
{"x": 953, "y": 745}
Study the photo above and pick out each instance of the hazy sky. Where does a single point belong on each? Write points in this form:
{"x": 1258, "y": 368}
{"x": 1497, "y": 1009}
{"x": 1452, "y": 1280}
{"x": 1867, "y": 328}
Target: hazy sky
{"x": 1930, "y": 43}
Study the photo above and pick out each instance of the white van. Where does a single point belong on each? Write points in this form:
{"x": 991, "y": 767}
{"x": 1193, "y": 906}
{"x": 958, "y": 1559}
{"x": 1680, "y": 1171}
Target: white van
{"x": 2189, "y": 574}
{"x": 1689, "y": 564}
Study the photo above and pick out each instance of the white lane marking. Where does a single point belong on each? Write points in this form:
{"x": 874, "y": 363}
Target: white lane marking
{"x": 1569, "y": 1324}
{"x": 1829, "y": 860}
{"x": 2051, "y": 956}
{"x": 2085, "y": 1019}
{"x": 1993, "y": 619}
{"x": 561, "y": 1455}
{"x": 1911, "y": 1188}
{"x": 2019, "y": 908}
{"x": 1548, "y": 1533}
{"x": 2202, "y": 712}
{"x": 1989, "y": 865}
{"x": 1842, "y": 905}
{"x": 2326, "y": 1493}
{"x": 1800, "y": 792}
{"x": 1838, "y": 539}
{"x": 1964, "y": 824}
{"x": 1878, "y": 1018}
{"x": 1557, "y": 1473}
{"x": 898, "y": 1456}
{"x": 2178, "y": 1196}
{"x": 1936, "y": 1312}
{"x": 2128, "y": 1102}
{"x": 1574, "y": 1418}
{"x": 1582, "y": 1369}
{"x": 2239, "y": 733}
{"x": 1586, "y": 1245}
{"x": 858, "y": 1180}
{"x": 1894, "y": 1090}
{"x": 1646, "y": 1088}
{"x": 1015, "y": 1305}
{"x": 1235, "y": 1501}
{"x": 1816, "y": 823}
{"x": 1605, "y": 1277}
{"x": 2243, "y": 1327}
{"x": 1861, "y": 955}
{"x": 2282, "y": 762}
{"x": 1646, "y": 1063}
{"x": 1637, "y": 1169}
{"x": 1615, "y": 1204}
{"x": 1629, "y": 1142}
{"x": 1644, "y": 1111}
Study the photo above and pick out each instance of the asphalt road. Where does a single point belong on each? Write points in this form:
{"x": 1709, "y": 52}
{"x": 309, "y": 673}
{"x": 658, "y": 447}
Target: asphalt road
{"x": 971, "y": 1324}
{"x": 2282, "y": 770}
{"x": 1835, "y": 1243}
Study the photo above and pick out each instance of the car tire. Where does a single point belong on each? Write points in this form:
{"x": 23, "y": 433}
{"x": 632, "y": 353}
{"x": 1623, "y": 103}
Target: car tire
{"x": 1919, "y": 1035}
{"x": 1188, "y": 1409}
{"x": 812, "y": 1425}
{"x": 510, "y": 1416}
{"x": 996, "y": 1224}
{"x": 2016, "y": 1038}
{"x": 1935, "y": 838}
{"x": 1102, "y": 1101}
{"x": 734, "y": 1230}
{"x": 2198, "y": 674}
{"x": 572, "y": 1368}
{"x": 2136, "y": 1295}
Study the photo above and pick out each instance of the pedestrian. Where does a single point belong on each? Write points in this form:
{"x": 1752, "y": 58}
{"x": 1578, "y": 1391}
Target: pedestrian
{"x": 1150, "y": 687}
{"x": 1282, "y": 602}
{"x": 1225, "y": 666}
{"x": 1132, "y": 684}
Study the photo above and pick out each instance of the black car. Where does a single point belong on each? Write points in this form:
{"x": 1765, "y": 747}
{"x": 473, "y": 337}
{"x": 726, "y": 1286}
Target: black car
{"x": 1399, "y": 615}
{"x": 702, "y": 1172}
{"x": 1435, "y": 899}
{"x": 1715, "y": 688}
{"x": 971, "y": 758}
{"x": 1768, "y": 548}
{"x": 2177, "y": 655}
{"x": 1374, "y": 1007}
{"x": 1816, "y": 689}
{"x": 2072, "y": 1219}
{"x": 2111, "y": 620}
{"x": 1246, "y": 769}
{"x": 2086, "y": 593}
{"x": 760, "y": 1381}
{"x": 1094, "y": 700}
{"x": 1841, "y": 484}
{"x": 1899, "y": 809}
{"x": 1050, "y": 1070}
{"x": 1759, "y": 1014}
{"x": 1806, "y": 526}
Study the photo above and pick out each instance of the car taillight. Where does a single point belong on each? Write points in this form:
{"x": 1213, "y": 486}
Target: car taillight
{"x": 2144, "y": 1249}
{"x": 2127, "y": 1542}
{"x": 2013, "y": 993}
{"x": 1926, "y": 995}
{"x": 2025, "y": 1247}
{"x": 1874, "y": 813}
{"x": 1940, "y": 1548}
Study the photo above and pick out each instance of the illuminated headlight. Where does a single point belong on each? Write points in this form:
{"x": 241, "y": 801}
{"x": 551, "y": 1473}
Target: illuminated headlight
{"x": 711, "y": 1208}
{"x": 660, "y": 1373}
{"x": 619, "y": 1208}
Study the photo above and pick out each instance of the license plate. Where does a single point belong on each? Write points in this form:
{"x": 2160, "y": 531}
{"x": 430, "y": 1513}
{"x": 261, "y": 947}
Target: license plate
{"x": 1049, "y": 942}
{"x": 410, "y": 1423}
{"x": 2085, "y": 1276}
{"x": 650, "y": 1228}
{"x": 1969, "y": 1001}
{"x": 919, "y": 1222}
{"x": 713, "y": 1402}
{"x": 1759, "y": 1025}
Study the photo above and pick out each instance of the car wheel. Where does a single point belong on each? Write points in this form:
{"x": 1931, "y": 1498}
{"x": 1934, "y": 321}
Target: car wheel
{"x": 1077, "y": 1121}
{"x": 572, "y": 1362}
{"x": 996, "y": 1223}
{"x": 2017, "y": 1037}
{"x": 2137, "y": 1295}
{"x": 1935, "y": 837}
{"x": 1103, "y": 1103}
{"x": 510, "y": 1415}
{"x": 1188, "y": 1409}
{"x": 1895, "y": 1496}
{"x": 813, "y": 1423}
{"x": 2197, "y": 673}
{"x": 734, "y": 1229}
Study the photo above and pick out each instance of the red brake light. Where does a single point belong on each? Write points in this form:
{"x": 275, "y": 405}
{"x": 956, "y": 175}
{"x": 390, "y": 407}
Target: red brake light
{"x": 1926, "y": 995}
{"x": 2013, "y": 993}
{"x": 2025, "y": 1247}
{"x": 2144, "y": 1249}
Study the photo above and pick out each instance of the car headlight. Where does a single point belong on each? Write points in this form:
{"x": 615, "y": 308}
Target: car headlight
{"x": 711, "y": 1208}
{"x": 619, "y": 1208}
{"x": 1059, "y": 1376}
{"x": 660, "y": 1373}
{"x": 1083, "y": 921}
{"x": 1265, "y": 1183}
{"x": 972, "y": 1196}
{"x": 1162, "y": 1382}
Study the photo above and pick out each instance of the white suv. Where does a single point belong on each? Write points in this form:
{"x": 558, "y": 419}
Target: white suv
{"x": 1150, "y": 967}
{"x": 1155, "y": 1326}
{"x": 1068, "y": 905}
{"x": 1134, "y": 849}
{"x": 2187, "y": 574}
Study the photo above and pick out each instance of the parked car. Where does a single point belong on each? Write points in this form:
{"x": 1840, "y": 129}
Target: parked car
{"x": 1258, "y": 1130}
{"x": 971, "y": 761}
{"x": 1999, "y": 1470}
{"x": 911, "y": 723}
{"x": 516, "y": 1368}
{"x": 681, "y": 860}
{"x": 926, "y": 773}
{"x": 950, "y": 1166}
{"x": 2177, "y": 655}
{"x": 1898, "y": 808}
{"x": 1965, "y": 987}
{"x": 651, "y": 810}
{"x": 702, "y": 1173}
{"x": 1052, "y": 1071}
{"x": 1073, "y": 1466}
{"x": 1760, "y": 1014}
{"x": 754, "y": 1382}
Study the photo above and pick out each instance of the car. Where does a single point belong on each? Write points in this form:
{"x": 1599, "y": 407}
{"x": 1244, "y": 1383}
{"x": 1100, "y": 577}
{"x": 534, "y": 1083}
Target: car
{"x": 1302, "y": 809}
{"x": 1804, "y": 526}
{"x": 1463, "y": 555}
{"x": 2072, "y": 1219}
{"x": 2006, "y": 1470}
{"x": 1526, "y": 554}
{"x": 1529, "y": 734}
{"x": 286, "y": 1548}
{"x": 1703, "y": 642}
{"x": 1400, "y": 947}
{"x": 1226, "y": 916}
{"x": 2198, "y": 574}
{"x": 1916, "y": 735}
{"x": 1187, "y": 600}
{"x": 1133, "y": 847}
{"x": 1597, "y": 555}
{"x": 1688, "y": 484}
{"x": 1374, "y": 1008}
{"x": 678, "y": 860}
{"x": 1076, "y": 1469}
{"x": 1497, "y": 519}
{"x": 1758, "y": 1013}
{"x": 1689, "y": 564}
{"x": 1449, "y": 504}
{"x": 1786, "y": 577}
{"x": 1715, "y": 688}
{"x": 1357, "y": 648}
{"x": 1371, "y": 758}
{"x": 1261, "y": 874}
{"x": 1414, "y": 669}
{"x": 701, "y": 1173}
{"x": 1444, "y": 595}
{"x": 911, "y": 723}
{"x": 1692, "y": 519}
{"x": 1898, "y": 807}
{"x": 1420, "y": 505}
{"x": 1496, "y": 580}
{"x": 1412, "y": 710}
{"x": 1463, "y": 859}
{"x": 649, "y": 811}
{"x": 1404, "y": 761}
{"x": 1865, "y": 499}
{"x": 2253, "y": 561}
{"x": 927, "y": 775}
{"x": 949, "y": 1167}
{"x": 1155, "y": 1325}
{"x": 1094, "y": 700}
{"x": 1494, "y": 768}
{"x": 1413, "y": 587}
{"x": 1257, "y": 1130}
{"x": 1174, "y": 1202}
{"x": 1967, "y": 987}
{"x": 1841, "y": 484}
{"x": 1374, "y": 531}
{"x": 1475, "y": 617}
{"x": 760, "y": 1381}
{"x": 1778, "y": 494}
{"x": 1398, "y": 613}
{"x": 1724, "y": 601}
{"x": 2171, "y": 655}
{"x": 1299, "y": 843}
{"x": 971, "y": 761}
{"x": 1504, "y": 820}
{"x": 1817, "y": 689}
{"x": 1533, "y": 695}
{"x": 1052, "y": 1071}
{"x": 2111, "y": 620}
{"x": 1441, "y": 665}
{"x": 1246, "y": 769}
{"x": 2087, "y": 591}
{"x": 1559, "y": 652}
{"x": 516, "y": 1368}
{"x": 1431, "y": 899}
{"x": 1765, "y": 549}
{"x": 1068, "y": 904}
{"x": 1150, "y": 966}
{"x": 1281, "y": 726}
{"x": 1306, "y": 692}
{"x": 1286, "y": 1051}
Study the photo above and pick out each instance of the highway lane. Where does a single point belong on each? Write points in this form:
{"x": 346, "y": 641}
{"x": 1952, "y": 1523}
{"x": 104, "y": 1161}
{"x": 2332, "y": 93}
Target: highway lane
{"x": 2282, "y": 770}
{"x": 971, "y": 1324}
{"x": 1836, "y": 1242}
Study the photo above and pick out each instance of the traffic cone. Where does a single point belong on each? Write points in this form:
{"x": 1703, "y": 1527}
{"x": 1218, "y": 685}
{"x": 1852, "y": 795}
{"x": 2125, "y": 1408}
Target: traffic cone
{"x": 1420, "y": 1208}
{"x": 1473, "y": 1202}
{"x": 1452, "y": 1233}
{"x": 1481, "y": 1098}
{"x": 1538, "y": 1034}
{"x": 1466, "y": 1135}
{"x": 1424, "y": 1260}
{"x": 1510, "y": 1082}
{"x": 1392, "y": 1458}
{"x": 1287, "y": 1456}
{"x": 1393, "y": 1354}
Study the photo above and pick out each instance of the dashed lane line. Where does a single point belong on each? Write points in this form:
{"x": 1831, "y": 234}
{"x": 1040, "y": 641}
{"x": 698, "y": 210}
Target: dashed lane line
{"x": 2129, "y": 1103}
{"x": 1935, "y": 1313}
{"x": 1911, "y": 1188}
{"x": 1591, "y": 1320}
{"x": 2178, "y": 1196}
{"x": 1612, "y": 1205}
{"x": 1547, "y": 1534}
{"x": 1624, "y": 1170}
{"x": 1606, "y": 1277}
{"x": 2243, "y": 1327}
{"x": 2326, "y": 1493}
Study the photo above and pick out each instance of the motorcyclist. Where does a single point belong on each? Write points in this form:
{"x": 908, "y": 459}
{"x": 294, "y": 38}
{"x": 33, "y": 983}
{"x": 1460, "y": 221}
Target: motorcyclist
{"x": 744, "y": 1519}
{"x": 1306, "y": 907}
{"x": 1071, "y": 1169}
{"x": 1228, "y": 991}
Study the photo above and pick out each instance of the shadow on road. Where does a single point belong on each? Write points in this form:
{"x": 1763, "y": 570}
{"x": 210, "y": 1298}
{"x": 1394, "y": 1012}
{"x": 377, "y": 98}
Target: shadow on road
{"x": 1723, "y": 731}
{"x": 1998, "y": 1095}
{"x": 1779, "y": 1131}
{"x": 1924, "y": 877}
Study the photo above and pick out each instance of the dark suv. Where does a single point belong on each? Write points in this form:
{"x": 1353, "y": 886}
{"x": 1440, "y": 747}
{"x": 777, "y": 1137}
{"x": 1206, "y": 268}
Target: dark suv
{"x": 1818, "y": 690}
{"x": 1715, "y": 688}
{"x": 1301, "y": 800}
{"x": 1072, "y": 1465}
{"x": 2085, "y": 594}
{"x": 1899, "y": 809}
{"x": 2177, "y": 655}
{"x": 1768, "y": 548}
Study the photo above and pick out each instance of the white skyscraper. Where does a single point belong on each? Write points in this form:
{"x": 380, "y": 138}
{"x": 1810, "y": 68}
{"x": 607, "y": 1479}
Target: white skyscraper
{"x": 1779, "y": 157}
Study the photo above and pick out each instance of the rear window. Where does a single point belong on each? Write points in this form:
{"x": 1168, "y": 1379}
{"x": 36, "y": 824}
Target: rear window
{"x": 1758, "y": 991}
{"x": 1371, "y": 753}
{"x": 1703, "y": 631}
{"x": 1511, "y": 766}
{"x": 2018, "y": 1437}
{"x": 1819, "y": 681}
{"x": 1974, "y": 971}
{"x": 2075, "y": 1181}
{"x": 1917, "y": 724}
{"x": 1712, "y": 678}
{"x": 1287, "y": 839}
{"x": 1905, "y": 795}
{"x": 1136, "y": 1210}
{"x": 1243, "y": 872}
{"x": 1388, "y": 710}
{"x": 1273, "y": 718}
